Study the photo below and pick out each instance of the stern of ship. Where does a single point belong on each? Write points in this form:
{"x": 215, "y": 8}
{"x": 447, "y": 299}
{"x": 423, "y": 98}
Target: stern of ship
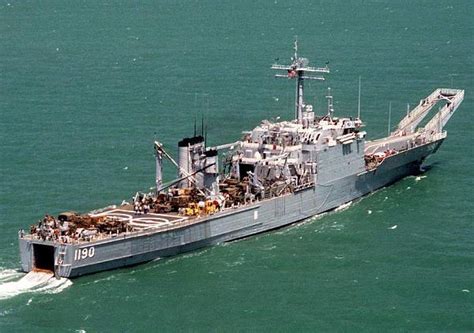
{"x": 46, "y": 256}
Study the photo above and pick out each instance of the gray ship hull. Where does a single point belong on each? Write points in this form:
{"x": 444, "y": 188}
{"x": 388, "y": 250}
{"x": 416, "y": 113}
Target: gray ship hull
{"x": 72, "y": 260}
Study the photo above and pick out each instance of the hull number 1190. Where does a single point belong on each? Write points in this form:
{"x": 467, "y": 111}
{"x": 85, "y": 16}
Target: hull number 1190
{"x": 81, "y": 254}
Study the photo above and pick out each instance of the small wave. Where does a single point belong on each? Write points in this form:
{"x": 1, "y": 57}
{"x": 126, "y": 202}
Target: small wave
{"x": 108, "y": 278}
{"x": 269, "y": 248}
{"x": 40, "y": 282}
{"x": 238, "y": 262}
{"x": 9, "y": 274}
{"x": 337, "y": 226}
{"x": 343, "y": 206}
{"x": 295, "y": 226}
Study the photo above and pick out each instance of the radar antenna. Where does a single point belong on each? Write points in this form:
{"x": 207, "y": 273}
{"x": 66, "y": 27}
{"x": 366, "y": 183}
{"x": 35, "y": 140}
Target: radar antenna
{"x": 299, "y": 70}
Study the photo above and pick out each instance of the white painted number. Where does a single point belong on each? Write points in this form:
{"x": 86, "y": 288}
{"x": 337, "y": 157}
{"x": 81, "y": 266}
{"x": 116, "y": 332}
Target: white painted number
{"x": 81, "y": 254}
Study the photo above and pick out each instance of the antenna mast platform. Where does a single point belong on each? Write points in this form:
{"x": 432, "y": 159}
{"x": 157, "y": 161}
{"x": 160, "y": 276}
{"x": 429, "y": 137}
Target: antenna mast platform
{"x": 299, "y": 70}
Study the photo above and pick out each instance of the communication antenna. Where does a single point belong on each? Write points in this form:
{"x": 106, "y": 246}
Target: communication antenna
{"x": 195, "y": 116}
{"x": 389, "y": 116}
{"x": 330, "y": 104}
{"x": 358, "y": 103}
{"x": 296, "y": 48}
{"x": 194, "y": 124}
{"x": 299, "y": 70}
{"x": 202, "y": 124}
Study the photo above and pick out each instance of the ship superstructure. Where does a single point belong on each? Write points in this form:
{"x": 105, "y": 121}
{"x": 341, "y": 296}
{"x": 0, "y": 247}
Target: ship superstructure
{"x": 278, "y": 173}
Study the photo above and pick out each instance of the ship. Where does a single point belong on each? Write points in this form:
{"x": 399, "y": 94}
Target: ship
{"x": 277, "y": 174}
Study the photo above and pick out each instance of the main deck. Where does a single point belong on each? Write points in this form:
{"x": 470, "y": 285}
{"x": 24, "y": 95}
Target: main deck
{"x": 143, "y": 221}
{"x": 137, "y": 224}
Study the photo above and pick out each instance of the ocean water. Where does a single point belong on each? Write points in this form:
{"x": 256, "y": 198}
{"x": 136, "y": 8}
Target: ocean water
{"x": 86, "y": 86}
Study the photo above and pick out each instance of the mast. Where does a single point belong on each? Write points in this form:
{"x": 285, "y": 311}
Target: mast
{"x": 330, "y": 105}
{"x": 299, "y": 70}
{"x": 389, "y": 116}
{"x": 358, "y": 103}
{"x": 159, "y": 166}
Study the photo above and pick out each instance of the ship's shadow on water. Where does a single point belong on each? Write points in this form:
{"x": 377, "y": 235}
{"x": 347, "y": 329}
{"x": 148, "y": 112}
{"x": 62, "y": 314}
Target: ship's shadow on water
{"x": 426, "y": 168}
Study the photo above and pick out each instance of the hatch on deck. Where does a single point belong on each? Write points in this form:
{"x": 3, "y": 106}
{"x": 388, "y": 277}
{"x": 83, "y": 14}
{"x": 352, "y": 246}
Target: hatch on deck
{"x": 43, "y": 257}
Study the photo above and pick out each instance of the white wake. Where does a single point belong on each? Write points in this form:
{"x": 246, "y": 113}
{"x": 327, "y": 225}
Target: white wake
{"x": 343, "y": 206}
{"x": 9, "y": 274}
{"x": 32, "y": 282}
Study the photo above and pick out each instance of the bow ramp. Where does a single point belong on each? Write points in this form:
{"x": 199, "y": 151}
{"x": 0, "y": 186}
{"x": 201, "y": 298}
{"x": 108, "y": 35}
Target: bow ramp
{"x": 408, "y": 136}
{"x": 452, "y": 99}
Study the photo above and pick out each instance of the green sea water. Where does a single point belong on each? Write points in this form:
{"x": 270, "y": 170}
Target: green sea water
{"x": 86, "y": 86}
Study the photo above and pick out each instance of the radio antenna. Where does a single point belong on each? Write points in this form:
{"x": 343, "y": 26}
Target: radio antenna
{"x": 300, "y": 71}
{"x": 358, "y": 103}
{"x": 389, "y": 116}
